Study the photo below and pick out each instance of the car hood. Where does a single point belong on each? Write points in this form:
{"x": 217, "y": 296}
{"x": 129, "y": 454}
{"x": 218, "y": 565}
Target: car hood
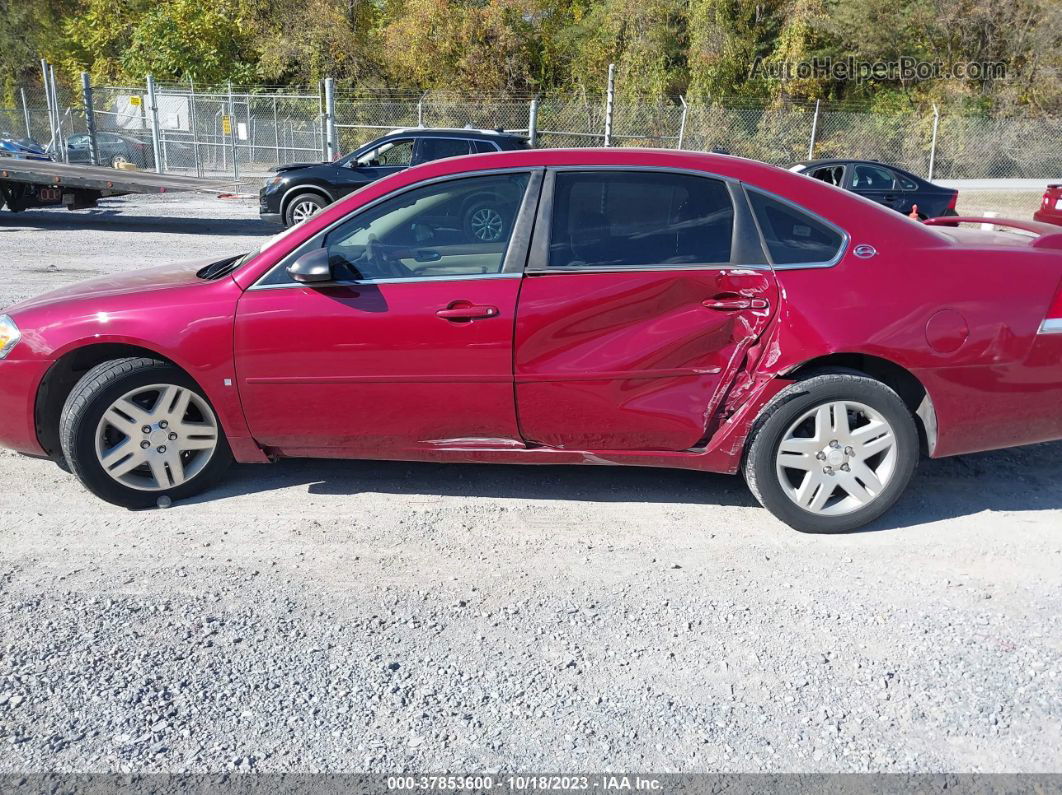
{"x": 294, "y": 166}
{"x": 140, "y": 281}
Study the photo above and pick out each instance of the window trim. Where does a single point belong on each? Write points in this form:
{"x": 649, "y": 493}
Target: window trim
{"x": 745, "y": 243}
{"x": 846, "y": 238}
{"x": 515, "y": 254}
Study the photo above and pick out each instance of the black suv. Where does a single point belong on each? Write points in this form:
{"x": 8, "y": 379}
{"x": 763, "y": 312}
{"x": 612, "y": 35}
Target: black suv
{"x": 885, "y": 184}
{"x": 300, "y": 190}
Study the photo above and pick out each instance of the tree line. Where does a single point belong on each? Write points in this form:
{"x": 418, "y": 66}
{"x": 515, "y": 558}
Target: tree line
{"x": 721, "y": 50}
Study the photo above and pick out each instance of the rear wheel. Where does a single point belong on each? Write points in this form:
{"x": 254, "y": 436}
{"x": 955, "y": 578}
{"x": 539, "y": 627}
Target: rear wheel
{"x": 119, "y": 160}
{"x": 832, "y": 453}
{"x": 136, "y": 430}
{"x": 303, "y": 206}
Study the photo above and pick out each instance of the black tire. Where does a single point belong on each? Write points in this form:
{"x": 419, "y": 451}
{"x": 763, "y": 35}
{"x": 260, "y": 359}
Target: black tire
{"x": 303, "y": 198}
{"x": 97, "y": 390}
{"x": 495, "y": 224}
{"x": 760, "y": 467}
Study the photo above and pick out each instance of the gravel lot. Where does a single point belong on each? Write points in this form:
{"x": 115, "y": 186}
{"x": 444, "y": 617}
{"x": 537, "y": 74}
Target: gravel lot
{"x": 344, "y": 616}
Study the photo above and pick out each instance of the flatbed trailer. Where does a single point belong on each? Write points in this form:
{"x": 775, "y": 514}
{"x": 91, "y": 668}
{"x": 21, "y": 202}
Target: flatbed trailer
{"x": 42, "y": 183}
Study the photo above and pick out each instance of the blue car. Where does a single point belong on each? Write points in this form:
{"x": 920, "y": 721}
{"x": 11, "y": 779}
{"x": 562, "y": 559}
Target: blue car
{"x": 22, "y": 148}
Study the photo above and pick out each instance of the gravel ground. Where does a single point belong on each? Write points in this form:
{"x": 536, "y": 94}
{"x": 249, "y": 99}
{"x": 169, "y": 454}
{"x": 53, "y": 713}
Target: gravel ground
{"x": 347, "y": 616}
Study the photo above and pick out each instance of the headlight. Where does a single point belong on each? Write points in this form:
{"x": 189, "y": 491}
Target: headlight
{"x": 9, "y": 335}
{"x": 274, "y": 181}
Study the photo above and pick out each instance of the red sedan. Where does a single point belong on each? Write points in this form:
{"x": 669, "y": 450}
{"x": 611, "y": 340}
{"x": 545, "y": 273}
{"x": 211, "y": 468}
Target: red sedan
{"x": 615, "y": 307}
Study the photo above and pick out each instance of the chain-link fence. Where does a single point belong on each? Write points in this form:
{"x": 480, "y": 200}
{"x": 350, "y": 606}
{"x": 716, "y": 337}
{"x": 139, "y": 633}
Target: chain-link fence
{"x": 244, "y": 131}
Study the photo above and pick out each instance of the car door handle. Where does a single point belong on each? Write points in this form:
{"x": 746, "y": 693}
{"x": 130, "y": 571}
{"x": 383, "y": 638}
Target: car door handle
{"x": 734, "y": 304}
{"x": 890, "y": 197}
{"x": 467, "y": 312}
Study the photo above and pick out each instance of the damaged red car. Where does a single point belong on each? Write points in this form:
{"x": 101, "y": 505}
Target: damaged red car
{"x": 608, "y": 307}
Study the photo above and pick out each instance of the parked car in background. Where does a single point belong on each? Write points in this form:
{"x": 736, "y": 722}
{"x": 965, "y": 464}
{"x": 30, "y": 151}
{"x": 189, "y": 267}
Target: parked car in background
{"x": 21, "y": 148}
{"x": 114, "y": 150}
{"x": 635, "y": 307}
{"x": 1050, "y": 211}
{"x": 886, "y": 184}
{"x": 300, "y": 190}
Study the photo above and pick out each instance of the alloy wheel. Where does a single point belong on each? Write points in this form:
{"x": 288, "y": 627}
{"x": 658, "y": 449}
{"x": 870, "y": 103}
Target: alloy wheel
{"x": 157, "y": 437}
{"x": 836, "y": 458}
{"x": 303, "y": 209}
{"x": 486, "y": 224}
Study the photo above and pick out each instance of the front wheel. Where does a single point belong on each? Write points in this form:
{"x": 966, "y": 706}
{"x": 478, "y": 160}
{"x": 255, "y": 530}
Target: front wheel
{"x": 303, "y": 206}
{"x": 136, "y": 430}
{"x": 832, "y": 453}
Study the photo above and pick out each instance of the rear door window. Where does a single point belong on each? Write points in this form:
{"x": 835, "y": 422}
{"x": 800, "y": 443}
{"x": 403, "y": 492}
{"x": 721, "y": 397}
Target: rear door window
{"x": 794, "y": 237}
{"x": 632, "y": 219}
{"x": 866, "y": 177}
{"x": 438, "y": 148}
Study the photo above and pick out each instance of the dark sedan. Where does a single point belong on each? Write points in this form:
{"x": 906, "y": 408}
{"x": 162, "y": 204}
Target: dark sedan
{"x": 885, "y": 184}
{"x": 300, "y": 190}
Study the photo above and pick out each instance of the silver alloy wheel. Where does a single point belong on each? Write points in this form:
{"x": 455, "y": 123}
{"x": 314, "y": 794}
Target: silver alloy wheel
{"x": 303, "y": 209}
{"x": 156, "y": 437}
{"x": 118, "y": 160}
{"x": 486, "y": 224}
{"x": 836, "y": 458}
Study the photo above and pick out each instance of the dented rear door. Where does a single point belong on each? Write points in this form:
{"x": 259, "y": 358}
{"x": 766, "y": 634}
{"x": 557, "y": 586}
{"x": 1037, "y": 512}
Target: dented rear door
{"x": 644, "y": 290}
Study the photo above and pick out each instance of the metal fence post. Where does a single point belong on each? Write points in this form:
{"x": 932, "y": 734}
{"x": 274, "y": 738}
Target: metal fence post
{"x": 193, "y": 122}
{"x": 330, "y": 119}
{"x": 610, "y": 94}
{"x": 153, "y": 107}
{"x": 48, "y": 99}
{"x": 532, "y": 123}
{"x": 814, "y": 129}
{"x": 25, "y": 112}
{"x": 682, "y": 124}
{"x": 276, "y": 130}
{"x": 933, "y": 144}
{"x": 61, "y": 142}
{"x": 232, "y": 135}
{"x": 90, "y": 117}
{"x": 420, "y": 109}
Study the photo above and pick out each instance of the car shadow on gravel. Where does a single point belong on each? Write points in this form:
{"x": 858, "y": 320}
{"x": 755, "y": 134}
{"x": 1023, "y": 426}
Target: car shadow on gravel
{"x": 112, "y": 220}
{"x": 538, "y": 482}
{"x": 1018, "y": 479}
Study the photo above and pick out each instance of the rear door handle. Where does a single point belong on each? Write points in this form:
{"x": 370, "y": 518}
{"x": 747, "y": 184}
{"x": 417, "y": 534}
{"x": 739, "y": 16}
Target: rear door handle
{"x": 734, "y": 304}
{"x": 467, "y": 312}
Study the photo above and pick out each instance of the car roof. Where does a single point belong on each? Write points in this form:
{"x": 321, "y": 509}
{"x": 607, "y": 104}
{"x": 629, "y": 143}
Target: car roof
{"x": 450, "y": 132}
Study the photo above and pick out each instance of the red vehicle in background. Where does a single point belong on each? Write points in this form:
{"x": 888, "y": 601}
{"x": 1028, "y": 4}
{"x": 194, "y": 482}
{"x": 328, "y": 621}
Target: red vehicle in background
{"x": 621, "y": 307}
{"x": 1050, "y": 211}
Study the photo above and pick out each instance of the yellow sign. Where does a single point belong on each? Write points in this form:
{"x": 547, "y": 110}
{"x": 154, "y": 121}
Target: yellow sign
{"x": 226, "y": 125}
{"x": 135, "y": 101}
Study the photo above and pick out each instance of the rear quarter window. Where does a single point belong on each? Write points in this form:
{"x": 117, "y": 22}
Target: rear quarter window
{"x": 792, "y": 236}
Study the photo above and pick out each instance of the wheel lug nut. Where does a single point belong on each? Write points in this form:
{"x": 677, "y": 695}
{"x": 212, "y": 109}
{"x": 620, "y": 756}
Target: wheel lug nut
{"x": 849, "y": 451}
{"x": 821, "y": 456}
{"x": 162, "y": 448}
{"x": 173, "y": 436}
{"x": 835, "y": 444}
{"x": 845, "y": 468}
{"x": 827, "y": 470}
{"x": 145, "y": 444}
{"x": 146, "y": 429}
{"x": 163, "y": 424}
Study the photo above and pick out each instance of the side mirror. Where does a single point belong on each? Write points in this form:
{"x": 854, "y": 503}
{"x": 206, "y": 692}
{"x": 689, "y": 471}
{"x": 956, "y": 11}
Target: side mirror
{"x": 312, "y": 267}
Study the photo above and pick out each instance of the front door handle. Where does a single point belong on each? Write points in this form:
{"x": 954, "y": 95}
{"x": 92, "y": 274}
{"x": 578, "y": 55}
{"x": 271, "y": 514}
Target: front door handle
{"x": 465, "y": 311}
{"x": 735, "y": 304}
